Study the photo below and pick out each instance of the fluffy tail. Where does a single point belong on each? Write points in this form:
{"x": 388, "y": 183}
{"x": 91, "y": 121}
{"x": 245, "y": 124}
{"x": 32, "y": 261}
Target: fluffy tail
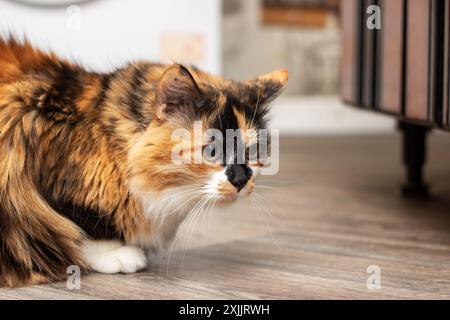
{"x": 36, "y": 243}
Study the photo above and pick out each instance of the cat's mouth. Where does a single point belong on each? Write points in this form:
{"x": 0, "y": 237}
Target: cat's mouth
{"x": 230, "y": 197}
{"x": 247, "y": 190}
{"x": 225, "y": 191}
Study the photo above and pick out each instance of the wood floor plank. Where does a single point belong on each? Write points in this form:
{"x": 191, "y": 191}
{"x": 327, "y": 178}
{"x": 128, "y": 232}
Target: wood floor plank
{"x": 333, "y": 210}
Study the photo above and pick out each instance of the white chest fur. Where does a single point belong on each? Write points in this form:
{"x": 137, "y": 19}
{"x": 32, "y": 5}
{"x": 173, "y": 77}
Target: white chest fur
{"x": 165, "y": 210}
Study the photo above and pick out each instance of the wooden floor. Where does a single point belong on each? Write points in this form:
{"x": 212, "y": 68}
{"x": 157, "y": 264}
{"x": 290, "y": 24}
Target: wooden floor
{"x": 336, "y": 211}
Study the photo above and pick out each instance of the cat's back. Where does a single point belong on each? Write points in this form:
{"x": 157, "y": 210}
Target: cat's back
{"x": 35, "y": 83}
{"x": 21, "y": 59}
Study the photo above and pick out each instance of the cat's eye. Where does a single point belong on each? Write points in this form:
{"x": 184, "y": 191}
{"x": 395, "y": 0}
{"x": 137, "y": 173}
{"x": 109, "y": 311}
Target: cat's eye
{"x": 252, "y": 152}
{"x": 210, "y": 150}
{"x": 257, "y": 155}
{"x": 210, "y": 153}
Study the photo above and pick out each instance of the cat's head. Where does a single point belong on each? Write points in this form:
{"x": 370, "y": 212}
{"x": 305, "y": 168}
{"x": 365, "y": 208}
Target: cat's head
{"x": 182, "y": 147}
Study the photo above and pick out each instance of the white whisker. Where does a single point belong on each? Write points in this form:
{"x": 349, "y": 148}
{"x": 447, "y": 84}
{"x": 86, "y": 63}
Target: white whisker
{"x": 178, "y": 232}
{"x": 255, "y": 202}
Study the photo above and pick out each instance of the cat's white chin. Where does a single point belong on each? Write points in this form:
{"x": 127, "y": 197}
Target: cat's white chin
{"x": 227, "y": 199}
{"x": 231, "y": 197}
{"x": 220, "y": 188}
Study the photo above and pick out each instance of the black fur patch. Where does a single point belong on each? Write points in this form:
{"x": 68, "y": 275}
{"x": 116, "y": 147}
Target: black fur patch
{"x": 136, "y": 95}
{"x": 96, "y": 224}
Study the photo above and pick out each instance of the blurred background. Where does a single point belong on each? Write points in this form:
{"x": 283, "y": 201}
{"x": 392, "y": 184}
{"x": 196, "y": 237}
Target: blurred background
{"x": 234, "y": 38}
{"x": 333, "y": 212}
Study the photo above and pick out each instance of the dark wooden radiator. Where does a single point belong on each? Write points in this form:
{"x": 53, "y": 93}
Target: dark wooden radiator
{"x": 401, "y": 69}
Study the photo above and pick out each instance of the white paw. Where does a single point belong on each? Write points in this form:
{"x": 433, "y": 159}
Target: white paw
{"x": 113, "y": 257}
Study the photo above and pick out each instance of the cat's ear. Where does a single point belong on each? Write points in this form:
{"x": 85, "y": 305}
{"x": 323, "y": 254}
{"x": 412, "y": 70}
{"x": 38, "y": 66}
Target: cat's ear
{"x": 267, "y": 87}
{"x": 176, "y": 89}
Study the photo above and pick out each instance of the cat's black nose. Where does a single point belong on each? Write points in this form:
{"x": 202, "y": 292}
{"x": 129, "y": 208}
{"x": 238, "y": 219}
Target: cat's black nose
{"x": 238, "y": 175}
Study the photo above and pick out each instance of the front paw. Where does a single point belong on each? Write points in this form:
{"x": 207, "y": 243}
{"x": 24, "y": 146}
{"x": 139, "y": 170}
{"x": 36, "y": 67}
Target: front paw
{"x": 113, "y": 257}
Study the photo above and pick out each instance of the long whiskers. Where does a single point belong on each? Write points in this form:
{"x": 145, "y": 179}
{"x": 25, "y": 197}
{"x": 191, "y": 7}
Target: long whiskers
{"x": 265, "y": 206}
{"x": 181, "y": 228}
{"x": 256, "y": 108}
{"x": 195, "y": 218}
{"x": 266, "y": 187}
{"x": 259, "y": 205}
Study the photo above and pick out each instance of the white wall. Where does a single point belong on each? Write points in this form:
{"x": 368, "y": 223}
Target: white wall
{"x": 111, "y": 32}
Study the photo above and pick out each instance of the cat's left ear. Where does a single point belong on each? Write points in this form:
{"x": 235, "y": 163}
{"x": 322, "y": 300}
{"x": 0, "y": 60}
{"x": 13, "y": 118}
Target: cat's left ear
{"x": 177, "y": 89}
{"x": 267, "y": 87}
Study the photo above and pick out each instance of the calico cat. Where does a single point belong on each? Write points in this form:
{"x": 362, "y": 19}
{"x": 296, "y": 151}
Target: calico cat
{"x": 86, "y": 172}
